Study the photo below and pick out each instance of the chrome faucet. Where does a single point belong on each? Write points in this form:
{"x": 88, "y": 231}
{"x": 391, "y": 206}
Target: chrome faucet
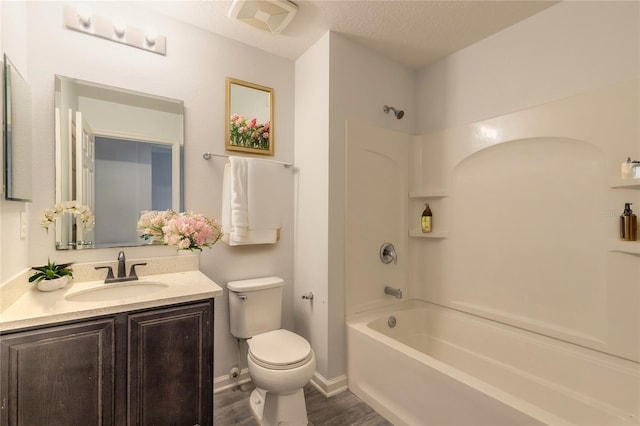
{"x": 393, "y": 292}
{"x": 122, "y": 275}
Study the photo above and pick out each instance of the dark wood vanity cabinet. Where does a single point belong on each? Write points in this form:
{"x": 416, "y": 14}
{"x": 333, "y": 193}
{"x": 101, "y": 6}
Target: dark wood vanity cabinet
{"x": 60, "y": 375}
{"x": 170, "y": 366}
{"x": 151, "y": 367}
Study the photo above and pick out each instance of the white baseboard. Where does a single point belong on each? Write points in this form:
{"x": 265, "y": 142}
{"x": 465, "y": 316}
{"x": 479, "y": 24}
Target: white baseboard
{"x": 225, "y": 382}
{"x": 329, "y": 388}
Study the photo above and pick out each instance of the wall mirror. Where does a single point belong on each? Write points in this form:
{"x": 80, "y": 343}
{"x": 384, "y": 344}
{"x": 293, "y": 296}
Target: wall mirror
{"x": 249, "y": 117}
{"x": 119, "y": 152}
{"x": 17, "y": 134}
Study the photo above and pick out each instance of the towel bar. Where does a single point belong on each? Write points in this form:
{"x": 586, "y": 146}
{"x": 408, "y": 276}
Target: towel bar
{"x": 208, "y": 155}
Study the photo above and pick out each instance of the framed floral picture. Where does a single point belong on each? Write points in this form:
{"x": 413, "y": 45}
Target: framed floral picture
{"x": 249, "y": 117}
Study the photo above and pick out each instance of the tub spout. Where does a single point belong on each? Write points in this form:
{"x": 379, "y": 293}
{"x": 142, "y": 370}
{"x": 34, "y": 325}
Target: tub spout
{"x": 393, "y": 292}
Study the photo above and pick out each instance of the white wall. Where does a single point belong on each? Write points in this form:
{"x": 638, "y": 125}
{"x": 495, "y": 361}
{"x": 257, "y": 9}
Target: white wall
{"x": 564, "y": 50}
{"x": 194, "y": 70}
{"x": 13, "y": 249}
{"x": 360, "y": 82}
{"x": 312, "y": 191}
{"x": 496, "y": 118}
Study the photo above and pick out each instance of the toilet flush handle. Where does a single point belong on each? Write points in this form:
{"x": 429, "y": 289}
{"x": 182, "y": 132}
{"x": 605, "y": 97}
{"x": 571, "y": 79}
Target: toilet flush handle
{"x": 242, "y": 296}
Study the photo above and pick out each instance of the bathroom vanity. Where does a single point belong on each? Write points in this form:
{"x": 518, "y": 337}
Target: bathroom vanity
{"x": 143, "y": 360}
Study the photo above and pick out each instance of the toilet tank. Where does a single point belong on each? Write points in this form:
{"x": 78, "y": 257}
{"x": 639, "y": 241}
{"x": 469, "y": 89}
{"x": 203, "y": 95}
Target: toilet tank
{"x": 255, "y": 306}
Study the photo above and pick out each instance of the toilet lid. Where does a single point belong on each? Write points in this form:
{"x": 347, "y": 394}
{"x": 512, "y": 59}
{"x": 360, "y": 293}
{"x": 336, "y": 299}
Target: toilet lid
{"x": 279, "y": 349}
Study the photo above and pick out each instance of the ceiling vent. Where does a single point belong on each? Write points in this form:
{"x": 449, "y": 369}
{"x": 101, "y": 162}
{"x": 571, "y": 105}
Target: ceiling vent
{"x": 267, "y": 15}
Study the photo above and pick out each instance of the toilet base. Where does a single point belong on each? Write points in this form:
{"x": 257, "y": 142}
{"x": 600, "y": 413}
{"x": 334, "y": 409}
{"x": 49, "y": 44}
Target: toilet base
{"x": 275, "y": 409}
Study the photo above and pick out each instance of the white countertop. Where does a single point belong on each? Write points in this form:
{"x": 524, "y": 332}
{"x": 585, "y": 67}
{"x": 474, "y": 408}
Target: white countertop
{"x": 36, "y": 308}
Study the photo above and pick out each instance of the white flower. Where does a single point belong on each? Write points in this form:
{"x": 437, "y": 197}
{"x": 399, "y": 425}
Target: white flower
{"x": 80, "y": 211}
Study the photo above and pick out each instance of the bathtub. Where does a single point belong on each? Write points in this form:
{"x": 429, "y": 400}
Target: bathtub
{"x": 439, "y": 366}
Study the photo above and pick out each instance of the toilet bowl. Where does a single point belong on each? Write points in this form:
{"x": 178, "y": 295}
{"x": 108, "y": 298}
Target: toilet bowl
{"x": 280, "y": 362}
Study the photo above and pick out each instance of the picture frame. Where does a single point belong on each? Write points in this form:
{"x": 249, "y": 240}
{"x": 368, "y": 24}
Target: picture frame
{"x": 249, "y": 117}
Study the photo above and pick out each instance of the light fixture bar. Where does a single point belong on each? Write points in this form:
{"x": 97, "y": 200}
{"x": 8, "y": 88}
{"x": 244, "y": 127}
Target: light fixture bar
{"x": 115, "y": 30}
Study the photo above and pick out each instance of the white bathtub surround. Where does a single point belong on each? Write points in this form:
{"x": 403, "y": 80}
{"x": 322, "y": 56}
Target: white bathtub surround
{"x": 437, "y": 361}
{"x": 376, "y": 212}
{"x": 513, "y": 254}
{"x": 526, "y": 216}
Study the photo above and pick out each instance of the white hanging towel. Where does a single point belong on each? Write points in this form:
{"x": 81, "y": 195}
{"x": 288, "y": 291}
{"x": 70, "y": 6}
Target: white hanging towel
{"x": 251, "y": 201}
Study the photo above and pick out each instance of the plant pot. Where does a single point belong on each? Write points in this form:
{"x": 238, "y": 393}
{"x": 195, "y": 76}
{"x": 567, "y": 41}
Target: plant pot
{"x": 51, "y": 285}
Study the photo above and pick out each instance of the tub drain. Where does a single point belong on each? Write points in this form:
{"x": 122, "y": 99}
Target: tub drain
{"x": 392, "y": 321}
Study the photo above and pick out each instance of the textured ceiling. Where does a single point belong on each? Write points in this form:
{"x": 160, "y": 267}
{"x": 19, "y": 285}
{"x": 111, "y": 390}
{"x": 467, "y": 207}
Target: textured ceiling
{"x": 413, "y": 32}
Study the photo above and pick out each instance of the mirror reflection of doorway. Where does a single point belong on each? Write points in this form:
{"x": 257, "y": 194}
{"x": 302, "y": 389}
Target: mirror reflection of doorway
{"x": 131, "y": 177}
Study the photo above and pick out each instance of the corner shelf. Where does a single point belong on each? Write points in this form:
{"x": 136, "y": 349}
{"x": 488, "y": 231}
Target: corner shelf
{"x": 629, "y": 247}
{"x": 427, "y": 194}
{"x": 438, "y": 235}
{"x": 625, "y": 183}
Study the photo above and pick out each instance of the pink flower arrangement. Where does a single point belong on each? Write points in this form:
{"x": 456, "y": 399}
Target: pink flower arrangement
{"x": 191, "y": 231}
{"x": 187, "y": 231}
{"x": 151, "y": 223}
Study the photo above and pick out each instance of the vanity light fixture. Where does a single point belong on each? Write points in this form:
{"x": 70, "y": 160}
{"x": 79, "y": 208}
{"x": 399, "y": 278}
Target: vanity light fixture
{"x": 268, "y": 15}
{"x": 83, "y": 20}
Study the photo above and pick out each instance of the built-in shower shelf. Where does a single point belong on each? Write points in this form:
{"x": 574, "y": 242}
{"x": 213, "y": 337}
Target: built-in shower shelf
{"x": 625, "y": 183}
{"x": 434, "y": 235}
{"x": 630, "y": 247}
{"x": 428, "y": 194}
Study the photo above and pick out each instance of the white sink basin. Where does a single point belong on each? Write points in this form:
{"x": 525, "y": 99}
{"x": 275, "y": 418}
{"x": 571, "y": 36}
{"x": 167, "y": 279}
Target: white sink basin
{"x": 116, "y": 291}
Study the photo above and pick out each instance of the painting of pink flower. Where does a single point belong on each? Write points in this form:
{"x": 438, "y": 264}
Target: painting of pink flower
{"x": 249, "y": 133}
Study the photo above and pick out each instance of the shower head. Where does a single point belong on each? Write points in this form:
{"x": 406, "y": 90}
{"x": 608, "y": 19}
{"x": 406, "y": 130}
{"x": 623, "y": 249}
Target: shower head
{"x": 398, "y": 114}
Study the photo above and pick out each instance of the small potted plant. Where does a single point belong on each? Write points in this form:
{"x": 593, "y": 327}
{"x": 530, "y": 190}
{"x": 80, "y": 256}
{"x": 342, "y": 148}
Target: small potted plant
{"x": 51, "y": 276}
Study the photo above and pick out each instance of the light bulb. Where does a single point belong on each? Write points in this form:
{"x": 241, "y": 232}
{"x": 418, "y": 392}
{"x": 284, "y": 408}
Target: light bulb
{"x": 84, "y": 15}
{"x": 119, "y": 26}
{"x": 151, "y": 35}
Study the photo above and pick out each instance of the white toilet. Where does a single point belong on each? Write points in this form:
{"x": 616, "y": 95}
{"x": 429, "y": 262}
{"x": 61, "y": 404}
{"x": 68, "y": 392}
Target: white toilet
{"x": 280, "y": 362}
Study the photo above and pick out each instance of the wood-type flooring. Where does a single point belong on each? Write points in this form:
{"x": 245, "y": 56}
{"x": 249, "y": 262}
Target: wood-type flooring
{"x": 231, "y": 407}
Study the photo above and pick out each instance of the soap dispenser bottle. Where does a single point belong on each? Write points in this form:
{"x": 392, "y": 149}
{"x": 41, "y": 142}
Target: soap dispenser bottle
{"x": 427, "y": 216}
{"x": 627, "y": 169}
{"x": 628, "y": 224}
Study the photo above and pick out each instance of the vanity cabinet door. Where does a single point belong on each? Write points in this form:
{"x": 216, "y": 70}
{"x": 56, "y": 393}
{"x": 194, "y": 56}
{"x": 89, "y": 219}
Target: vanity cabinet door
{"x": 59, "y": 375}
{"x": 170, "y": 366}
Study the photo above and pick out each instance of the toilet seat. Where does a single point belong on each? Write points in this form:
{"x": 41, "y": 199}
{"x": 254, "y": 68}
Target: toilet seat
{"x": 279, "y": 350}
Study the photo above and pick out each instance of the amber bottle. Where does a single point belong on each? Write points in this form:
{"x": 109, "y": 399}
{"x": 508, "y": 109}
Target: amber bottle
{"x": 426, "y": 219}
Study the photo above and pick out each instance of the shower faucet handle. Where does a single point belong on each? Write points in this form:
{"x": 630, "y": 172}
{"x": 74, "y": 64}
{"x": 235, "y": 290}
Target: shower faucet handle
{"x": 388, "y": 253}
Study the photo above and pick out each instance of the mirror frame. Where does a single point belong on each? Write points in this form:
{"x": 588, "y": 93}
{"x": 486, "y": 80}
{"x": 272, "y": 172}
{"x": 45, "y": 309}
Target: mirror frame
{"x": 246, "y": 115}
{"x": 16, "y": 145}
